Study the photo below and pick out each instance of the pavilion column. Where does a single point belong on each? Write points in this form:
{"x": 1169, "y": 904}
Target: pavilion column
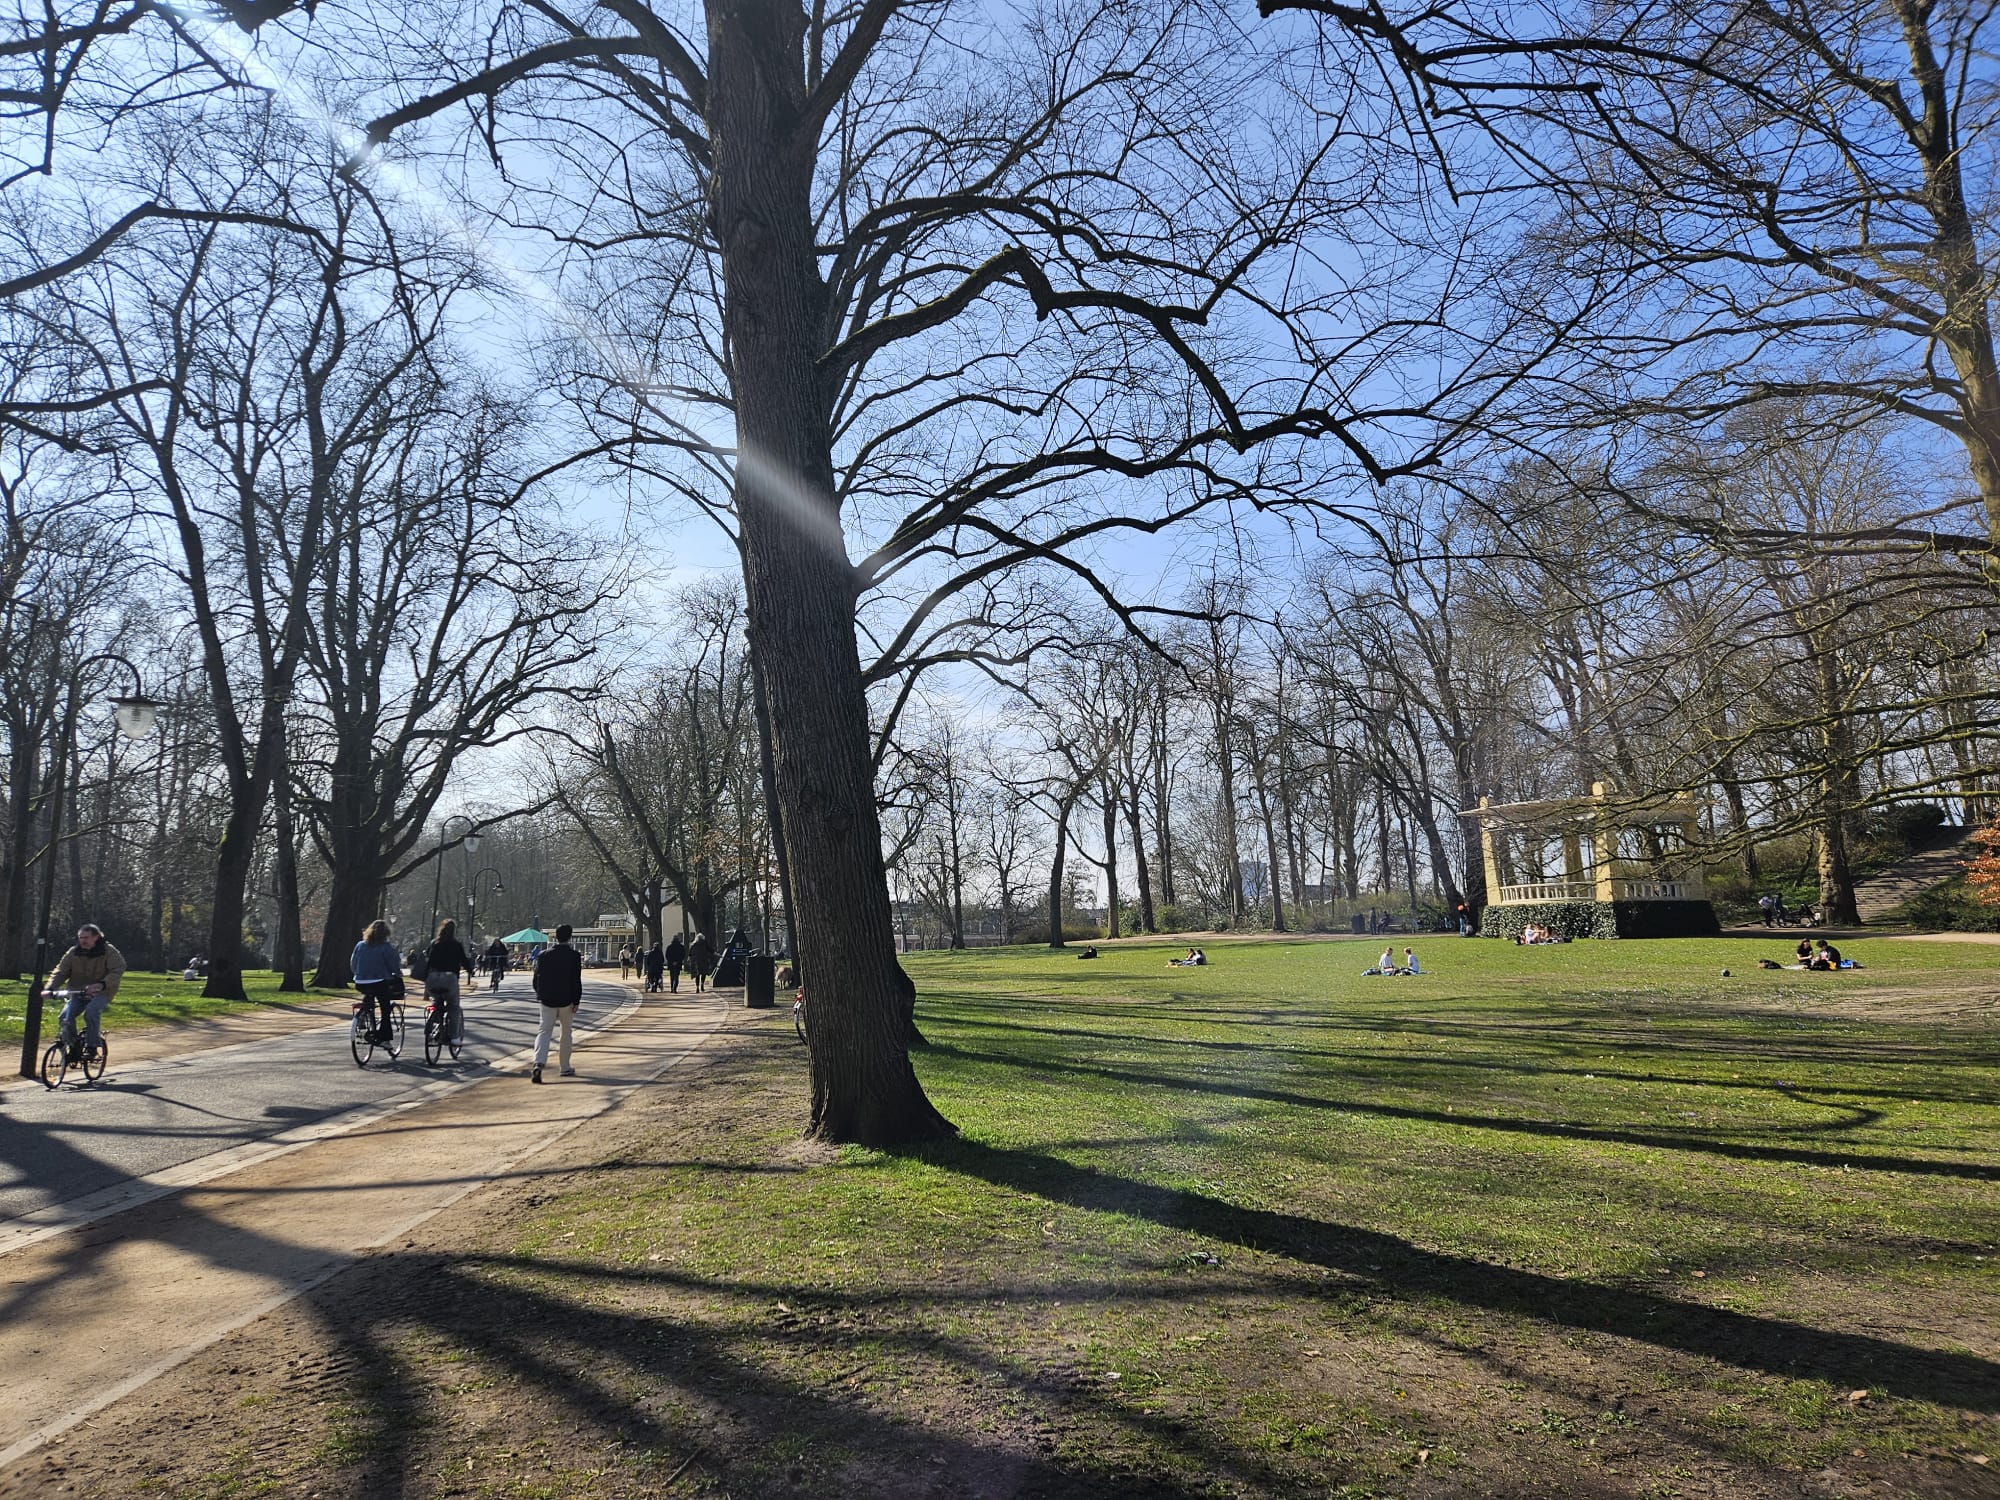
{"x": 1486, "y": 851}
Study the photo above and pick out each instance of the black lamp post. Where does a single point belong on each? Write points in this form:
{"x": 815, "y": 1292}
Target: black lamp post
{"x": 134, "y": 717}
{"x": 470, "y": 839}
{"x": 472, "y": 899}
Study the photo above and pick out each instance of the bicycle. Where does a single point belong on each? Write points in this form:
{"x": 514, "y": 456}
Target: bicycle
{"x": 361, "y": 1033}
{"x": 493, "y": 985}
{"x": 799, "y": 1014}
{"x": 62, "y": 1055}
{"x": 439, "y": 1034}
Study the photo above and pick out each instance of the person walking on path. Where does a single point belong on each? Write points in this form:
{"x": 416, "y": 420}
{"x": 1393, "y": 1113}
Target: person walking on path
{"x": 93, "y": 968}
{"x": 676, "y": 957}
{"x": 656, "y": 965}
{"x": 625, "y": 962}
{"x": 378, "y": 973}
{"x": 559, "y": 986}
{"x": 701, "y": 960}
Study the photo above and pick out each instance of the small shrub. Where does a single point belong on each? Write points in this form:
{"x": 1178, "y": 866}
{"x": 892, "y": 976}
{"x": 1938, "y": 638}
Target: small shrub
{"x": 1954, "y": 906}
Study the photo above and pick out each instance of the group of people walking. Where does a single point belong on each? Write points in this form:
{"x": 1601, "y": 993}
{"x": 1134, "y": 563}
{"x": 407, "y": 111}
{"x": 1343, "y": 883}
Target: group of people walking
{"x": 657, "y": 964}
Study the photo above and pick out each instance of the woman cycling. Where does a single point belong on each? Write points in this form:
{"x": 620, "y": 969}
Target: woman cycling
{"x": 447, "y": 958}
{"x": 378, "y": 973}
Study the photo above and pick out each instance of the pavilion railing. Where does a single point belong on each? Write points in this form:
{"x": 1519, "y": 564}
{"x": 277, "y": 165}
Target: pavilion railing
{"x": 1548, "y": 890}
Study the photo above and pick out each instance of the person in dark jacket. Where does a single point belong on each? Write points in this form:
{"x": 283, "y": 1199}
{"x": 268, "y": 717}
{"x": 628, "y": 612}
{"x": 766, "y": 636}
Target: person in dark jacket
{"x": 677, "y": 957}
{"x": 446, "y": 961}
{"x": 559, "y": 986}
{"x": 656, "y": 965}
{"x": 701, "y": 960}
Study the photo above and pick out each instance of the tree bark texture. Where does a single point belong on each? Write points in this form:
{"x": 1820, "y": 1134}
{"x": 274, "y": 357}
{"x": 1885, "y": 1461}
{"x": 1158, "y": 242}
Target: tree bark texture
{"x": 800, "y": 585}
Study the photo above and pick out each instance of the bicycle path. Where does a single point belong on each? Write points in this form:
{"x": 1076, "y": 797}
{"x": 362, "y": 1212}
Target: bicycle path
{"x": 250, "y": 1174}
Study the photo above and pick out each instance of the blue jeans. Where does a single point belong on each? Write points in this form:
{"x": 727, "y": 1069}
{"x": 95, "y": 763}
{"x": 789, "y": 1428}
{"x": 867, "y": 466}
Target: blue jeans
{"x": 92, "y": 1007}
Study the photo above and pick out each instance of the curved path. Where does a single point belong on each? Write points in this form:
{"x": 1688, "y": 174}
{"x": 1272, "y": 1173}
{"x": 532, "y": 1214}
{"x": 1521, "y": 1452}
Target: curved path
{"x": 145, "y": 1217}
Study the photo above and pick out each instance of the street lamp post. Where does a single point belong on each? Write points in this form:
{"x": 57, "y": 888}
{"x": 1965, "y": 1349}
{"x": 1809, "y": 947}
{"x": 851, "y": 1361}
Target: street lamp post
{"x": 134, "y": 717}
{"x": 470, "y": 839}
{"x": 472, "y": 899}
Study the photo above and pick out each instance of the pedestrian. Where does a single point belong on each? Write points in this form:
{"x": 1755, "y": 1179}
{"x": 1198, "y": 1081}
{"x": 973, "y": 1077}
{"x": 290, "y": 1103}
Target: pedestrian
{"x": 559, "y": 986}
{"x": 677, "y": 957}
{"x": 625, "y": 961}
{"x": 1778, "y": 907}
{"x": 1765, "y": 906}
{"x": 701, "y": 960}
{"x": 1464, "y": 915}
{"x": 91, "y": 972}
{"x": 656, "y": 964}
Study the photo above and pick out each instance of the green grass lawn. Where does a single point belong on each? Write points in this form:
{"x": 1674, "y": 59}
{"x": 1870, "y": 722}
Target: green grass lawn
{"x": 1582, "y": 1220}
{"x": 150, "y": 999}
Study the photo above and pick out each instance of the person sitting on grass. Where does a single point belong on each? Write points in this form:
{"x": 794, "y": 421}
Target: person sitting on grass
{"x": 1804, "y": 952}
{"x": 1825, "y": 956}
{"x": 1194, "y": 960}
{"x": 1410, "y": 964}
{"x": 1090, "y": 952}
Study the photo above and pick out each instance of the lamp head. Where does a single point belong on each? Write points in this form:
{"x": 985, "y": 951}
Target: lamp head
{"x": 134, "y": 716}
{"x": 471, "y": 842}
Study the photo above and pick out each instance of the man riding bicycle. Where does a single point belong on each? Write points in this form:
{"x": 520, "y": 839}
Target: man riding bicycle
{"x": 447, "y": 957}
{"x": 496, "y": 962}
{"x": 91, "y": 972}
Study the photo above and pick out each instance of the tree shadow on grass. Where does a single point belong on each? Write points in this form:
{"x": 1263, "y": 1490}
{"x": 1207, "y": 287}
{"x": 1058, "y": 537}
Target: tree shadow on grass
{"x": 1587, "y": 1134}
{"x": 1771, "y": 1346}
{"x": 712, "y": 1396}
{"x": 1374, "y": 1062}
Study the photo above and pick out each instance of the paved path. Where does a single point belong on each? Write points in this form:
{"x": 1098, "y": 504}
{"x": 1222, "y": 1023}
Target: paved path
{"x": 146, "y": 1217}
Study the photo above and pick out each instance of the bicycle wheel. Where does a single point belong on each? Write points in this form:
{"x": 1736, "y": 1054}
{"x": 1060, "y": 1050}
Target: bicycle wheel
{"x": 396, "y": 1031}
{"x": 434, "y": 1027}
{"x": 55, "y": 1063}
{"x": 799, "y": 1018}
{"x": 95, "y": 1059}
{"x": 456, "y": 1039}
{"x": 361, "y": 1038}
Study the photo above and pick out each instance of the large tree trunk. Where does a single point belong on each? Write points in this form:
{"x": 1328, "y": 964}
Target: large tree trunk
{"x": 289, "y": 957}
{"x": 1110, "y": 861}
{"x": 1148, "y": 922}
{"x": 1056, "y": 864}
{"x": 350, "y": 906}
{"x": 799, "y": 582}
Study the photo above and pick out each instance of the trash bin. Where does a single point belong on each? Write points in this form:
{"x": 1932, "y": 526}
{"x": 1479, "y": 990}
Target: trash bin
{"x": 760, "y": 981}
{"x": 1357, "y": 923}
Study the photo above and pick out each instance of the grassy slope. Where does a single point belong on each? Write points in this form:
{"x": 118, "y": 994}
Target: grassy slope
{"x": 1579, "y": 1221}
{"x": 150, "y": 999}
{"x": 1536, "y": 1212}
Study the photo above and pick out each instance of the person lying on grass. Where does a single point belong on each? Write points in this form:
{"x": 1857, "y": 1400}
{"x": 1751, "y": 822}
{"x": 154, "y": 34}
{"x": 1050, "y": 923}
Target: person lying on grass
{"x": 1195, "y": 959}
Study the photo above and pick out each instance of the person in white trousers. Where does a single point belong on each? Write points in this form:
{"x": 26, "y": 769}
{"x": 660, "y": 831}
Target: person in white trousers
{"x": 559, "y": 986}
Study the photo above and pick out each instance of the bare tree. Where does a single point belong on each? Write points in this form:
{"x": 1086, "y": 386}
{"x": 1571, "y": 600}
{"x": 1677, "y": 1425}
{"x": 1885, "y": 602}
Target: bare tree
{"x": 854, "y": 271}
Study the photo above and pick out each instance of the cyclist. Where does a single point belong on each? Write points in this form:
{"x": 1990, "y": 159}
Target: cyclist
{"x": 447, "y": 958}
{"x": 496, "y": 961}
{"x": 92, "y": 970}
{"x": 377, "y": 969}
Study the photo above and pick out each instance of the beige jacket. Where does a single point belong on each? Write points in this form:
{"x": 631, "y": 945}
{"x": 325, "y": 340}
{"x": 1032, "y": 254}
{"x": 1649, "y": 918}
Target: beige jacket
{"x": 104, "y": 965}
